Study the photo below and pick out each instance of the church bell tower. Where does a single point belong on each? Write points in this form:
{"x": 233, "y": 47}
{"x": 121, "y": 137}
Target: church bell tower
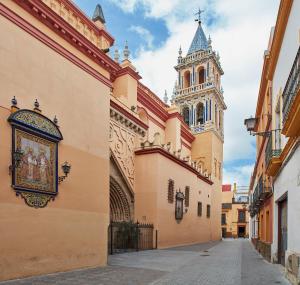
{"x": 198, "y": 94}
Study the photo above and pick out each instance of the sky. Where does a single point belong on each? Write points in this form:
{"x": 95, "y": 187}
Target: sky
{"x": 240, "y": 33}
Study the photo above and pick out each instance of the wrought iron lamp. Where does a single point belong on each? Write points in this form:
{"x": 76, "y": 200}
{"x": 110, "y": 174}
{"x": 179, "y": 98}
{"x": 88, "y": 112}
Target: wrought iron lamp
{"x": 250, "y": 125}
{"x": 16, "y": 159}
{"x": 66, "y": 168}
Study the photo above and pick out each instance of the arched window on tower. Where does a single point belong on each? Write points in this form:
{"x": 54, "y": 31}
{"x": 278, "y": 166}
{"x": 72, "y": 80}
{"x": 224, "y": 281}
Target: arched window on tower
{"x": 220, "y": 119}
{"x": 200, "y": 114}
{"x": 201, "y": 75}
{"x": 186, "y": 115}
{"x": 186, "y": 79}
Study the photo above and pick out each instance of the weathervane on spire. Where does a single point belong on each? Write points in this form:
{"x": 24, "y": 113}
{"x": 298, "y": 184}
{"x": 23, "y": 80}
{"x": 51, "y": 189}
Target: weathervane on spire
{"x": 199, "y": 15}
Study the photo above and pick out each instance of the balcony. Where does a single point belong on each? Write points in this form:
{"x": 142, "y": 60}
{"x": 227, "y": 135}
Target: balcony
{"x": 272, "y": 154}
{"x": 262, "y": 191}
{"x": 291, "y": 101}
{"x": 193, "y": 89}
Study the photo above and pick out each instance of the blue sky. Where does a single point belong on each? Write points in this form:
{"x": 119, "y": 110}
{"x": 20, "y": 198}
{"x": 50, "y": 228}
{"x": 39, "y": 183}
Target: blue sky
{"x": 240, "y": 33}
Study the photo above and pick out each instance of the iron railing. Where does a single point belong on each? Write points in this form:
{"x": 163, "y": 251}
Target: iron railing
{"x": 292, "y": 87}
{"x": 262, "y": 191}
{"x": 129, "y": 236}
{"x": 273, "y": 148}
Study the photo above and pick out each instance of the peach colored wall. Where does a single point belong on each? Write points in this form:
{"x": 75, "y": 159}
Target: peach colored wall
{"x": 71, "y": 232}
{"x": 153, "y": 172}
{"x": 207, "y": 147}
{"x": 266, "y": 227}
{"x": 227, "y": 197}
{"x": 125, "y": 89}
{"x": 173, "y": 133}
{"x": 232, "y": 218}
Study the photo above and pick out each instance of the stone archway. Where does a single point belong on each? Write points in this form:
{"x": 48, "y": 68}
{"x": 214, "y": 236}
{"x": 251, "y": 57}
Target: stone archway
{"x": 120, "y": 208}
{"x": 121, "y": 197}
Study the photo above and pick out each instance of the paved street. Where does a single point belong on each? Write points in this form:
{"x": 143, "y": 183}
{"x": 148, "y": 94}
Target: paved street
{"x": 228, "y": 262}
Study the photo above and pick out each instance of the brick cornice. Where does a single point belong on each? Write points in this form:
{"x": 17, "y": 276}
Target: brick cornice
{"x": 171, "y": 157}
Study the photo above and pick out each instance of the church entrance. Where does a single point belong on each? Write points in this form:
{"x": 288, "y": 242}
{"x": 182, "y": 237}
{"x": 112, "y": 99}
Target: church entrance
{"x": 123, "y": 233}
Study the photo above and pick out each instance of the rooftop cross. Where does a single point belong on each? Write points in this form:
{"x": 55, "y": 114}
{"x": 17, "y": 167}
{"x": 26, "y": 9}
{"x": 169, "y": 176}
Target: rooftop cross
{"x": 199, "y": 15}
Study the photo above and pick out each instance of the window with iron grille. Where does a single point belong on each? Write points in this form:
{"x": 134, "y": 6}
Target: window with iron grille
{"x": 241, "y": 216}
{"x": 223, "y": 220}
{"x": 208, "y": 211}
{"x": 187, "y": 196}
{"x": 199, "y": 209}
{"x": 171, "y": 191}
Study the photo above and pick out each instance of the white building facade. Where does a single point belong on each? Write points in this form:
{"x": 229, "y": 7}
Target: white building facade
{"x": 283, "y": 151}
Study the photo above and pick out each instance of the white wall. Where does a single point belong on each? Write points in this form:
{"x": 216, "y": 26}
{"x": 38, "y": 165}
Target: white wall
{"x": 289, "y": 181}
{"x": 289, "y": 48}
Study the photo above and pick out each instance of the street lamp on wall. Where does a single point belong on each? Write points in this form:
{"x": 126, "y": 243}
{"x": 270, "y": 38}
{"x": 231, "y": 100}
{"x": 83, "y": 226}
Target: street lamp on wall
{"x": 16, "y": 159}
{"x": 66, "y": 168}
{"x": 250, "y": 125}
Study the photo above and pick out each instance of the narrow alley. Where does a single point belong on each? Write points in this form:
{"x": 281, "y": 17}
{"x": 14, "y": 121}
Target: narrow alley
{"x": 230, "y": 262}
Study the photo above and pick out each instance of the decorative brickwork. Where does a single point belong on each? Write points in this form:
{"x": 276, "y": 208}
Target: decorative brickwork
{"x": 187, "y": 196}
{"x": 171, "y": 191}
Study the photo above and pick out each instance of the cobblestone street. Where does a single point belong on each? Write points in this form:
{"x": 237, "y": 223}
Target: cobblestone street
{"x": 228, "y": 262}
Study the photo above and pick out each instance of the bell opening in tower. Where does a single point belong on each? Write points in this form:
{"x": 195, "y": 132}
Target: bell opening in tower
{"x": 200, "y": 114}
{"x": 186, "y": 115}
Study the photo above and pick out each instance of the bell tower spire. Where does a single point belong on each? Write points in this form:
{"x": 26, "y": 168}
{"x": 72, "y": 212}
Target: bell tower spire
{"x": 198, "y": 93}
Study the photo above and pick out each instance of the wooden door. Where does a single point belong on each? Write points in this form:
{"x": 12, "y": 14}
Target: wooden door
{"x": 282, "y": 231}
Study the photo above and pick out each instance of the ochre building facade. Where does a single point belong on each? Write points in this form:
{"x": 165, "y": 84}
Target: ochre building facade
{"x": 129, "y": 155}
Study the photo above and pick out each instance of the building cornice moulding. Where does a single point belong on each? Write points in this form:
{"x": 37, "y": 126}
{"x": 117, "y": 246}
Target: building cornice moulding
{"x": 30, "y": 29}
{"x": 152, "y": 105}
{"x": 58, "y": 25}
{"x": 129, "y": 120}
{"x": 130, "y": 71}
{"x": 158, "y": 150}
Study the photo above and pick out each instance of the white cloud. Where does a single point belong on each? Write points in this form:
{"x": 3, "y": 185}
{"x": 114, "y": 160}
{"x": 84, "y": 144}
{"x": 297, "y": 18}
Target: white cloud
{"x": 144, "y": 34}
{"x": 240, "y": 175}
{"x": 241, "y": 35}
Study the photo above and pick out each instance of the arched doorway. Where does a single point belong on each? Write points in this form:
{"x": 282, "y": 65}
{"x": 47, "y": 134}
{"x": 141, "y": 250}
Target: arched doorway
{"x": 121, "y": 197}
{"x": 120, "y": 209}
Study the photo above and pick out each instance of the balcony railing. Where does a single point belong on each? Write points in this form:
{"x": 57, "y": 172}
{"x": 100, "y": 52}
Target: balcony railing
{"x": 198, "y": 128}
{"x": 273, "y": 148}
{"x": 193, "y": 88}
{"x": 261, "y": 192}
{"x": 292, "y": 87}
{"x": 195, "y": 56}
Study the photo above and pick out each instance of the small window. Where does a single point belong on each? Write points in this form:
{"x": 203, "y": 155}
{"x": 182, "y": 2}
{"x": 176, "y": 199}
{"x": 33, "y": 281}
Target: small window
{"x": 187, "y": 196}
{"x": 171, "y": 191}
{"x": 208, "y": 211}
{"x": 242, "y": 216}
{"x": 199, "y": 209}
{"x": 223, "y": 220}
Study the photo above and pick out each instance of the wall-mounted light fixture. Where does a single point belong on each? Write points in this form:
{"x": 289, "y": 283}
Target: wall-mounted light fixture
{"x": 66, "y": 168}
{"x": 16, "y": 159}
{"x": 250, "y": 125}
